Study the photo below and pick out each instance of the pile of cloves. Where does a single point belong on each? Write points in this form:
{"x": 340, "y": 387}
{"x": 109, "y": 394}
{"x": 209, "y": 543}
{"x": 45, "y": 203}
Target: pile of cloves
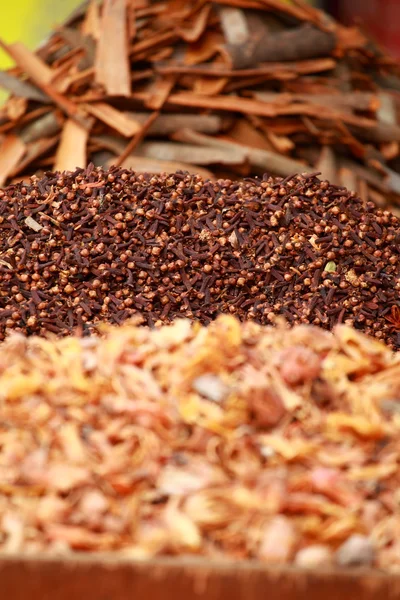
{"x": 106, "y": 245}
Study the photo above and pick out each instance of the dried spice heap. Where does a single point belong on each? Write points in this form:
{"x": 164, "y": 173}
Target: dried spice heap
{"x": 236, "y": 86}
{"x": 229, "y": 441}
{"x": 103, "y": 245}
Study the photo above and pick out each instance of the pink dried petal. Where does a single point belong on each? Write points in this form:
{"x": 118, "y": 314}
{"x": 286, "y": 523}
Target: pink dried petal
{"x": 113, "y": 524}
{"x": 51, "y": 509}
{"x": 372, "y": 513}
{"x": 278, "y": 541}
{"x": 312, "y": 557}
{"x": 93, "y": 502}
{"x": 272, "y": 492}
{"x": 90, "y": 511}
{"x": 152, "y": 538}
{"x": 211, "y": 386}
{"x": 332, "y": 484}
{"x": 184, "y": 533}
{"x": 212, "y": 509}
{"x": 78, "y": 538}
{"x": 13, "y": 526}
{"x": 316, "y": 338}
{"x": 298, "y": 364}
{"x": 303, "y": 503}
{"x": 266, "y": 406}
{"x": 71, "y": 442}
{"x": 341, "y": 456}
{"x": 34, "y": 467}
{"x": 63, "y": 477}
{"x": 57, "y": 547}
{"x": 357, "y": 551}
{"x": 196, "y": 475}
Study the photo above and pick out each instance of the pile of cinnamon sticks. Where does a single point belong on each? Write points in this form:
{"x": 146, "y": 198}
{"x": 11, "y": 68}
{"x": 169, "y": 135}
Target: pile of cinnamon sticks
{"x": 224, "y": 88}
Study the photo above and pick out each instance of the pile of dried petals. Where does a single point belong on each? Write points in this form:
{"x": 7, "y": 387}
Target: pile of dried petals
{"x": 230, "y": 441}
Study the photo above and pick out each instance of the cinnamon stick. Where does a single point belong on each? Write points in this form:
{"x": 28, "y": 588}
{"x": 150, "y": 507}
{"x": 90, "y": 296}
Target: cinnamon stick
{"x": 112, "y": 64}
{"x": 167, "y": 124}
{"x": 22, "y": 89}
{"x": 299, "y": 43}
{"x": 41, "y": 74}
{"x": 262, "y": 159}
{"x": 153, "y": 165}
{"x": 137, "y": 138}
{"x": 71, "y": 152}
{"x": 46, "y": 126}
{"x": 12, "y": 149}
{"x": 327, "y": 165}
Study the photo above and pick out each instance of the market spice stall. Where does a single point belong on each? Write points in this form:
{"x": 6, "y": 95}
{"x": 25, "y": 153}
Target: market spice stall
{"x": 212, "y": 455}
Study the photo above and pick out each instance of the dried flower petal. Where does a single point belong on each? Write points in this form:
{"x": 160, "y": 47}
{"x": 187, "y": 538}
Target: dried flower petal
{"x": 313, "y": 557}
{"x": 64, "y": 477}
{"x": 211, "y": 387}
{"x": 185, "y": 535}
{"x": 278, "y": 541}
{"x": 13, "y": 527}
{"x": 357, "y": 551}
{"x": 298, "y": 364}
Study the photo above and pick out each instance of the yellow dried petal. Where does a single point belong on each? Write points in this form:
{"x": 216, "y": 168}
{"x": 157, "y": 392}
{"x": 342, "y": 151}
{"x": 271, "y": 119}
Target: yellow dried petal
{"x": 356, "y": 424}
{"x": 372, "y": 472}
{"x": 339, "y": 529}
{"x": 185, "y": 535}
{"x": 72, "y": 443}
{"x": 290, "y": 449}
{"x": 17, "y": 385}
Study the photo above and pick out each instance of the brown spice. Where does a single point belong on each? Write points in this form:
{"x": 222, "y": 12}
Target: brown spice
{"x": 109, "y": 245}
